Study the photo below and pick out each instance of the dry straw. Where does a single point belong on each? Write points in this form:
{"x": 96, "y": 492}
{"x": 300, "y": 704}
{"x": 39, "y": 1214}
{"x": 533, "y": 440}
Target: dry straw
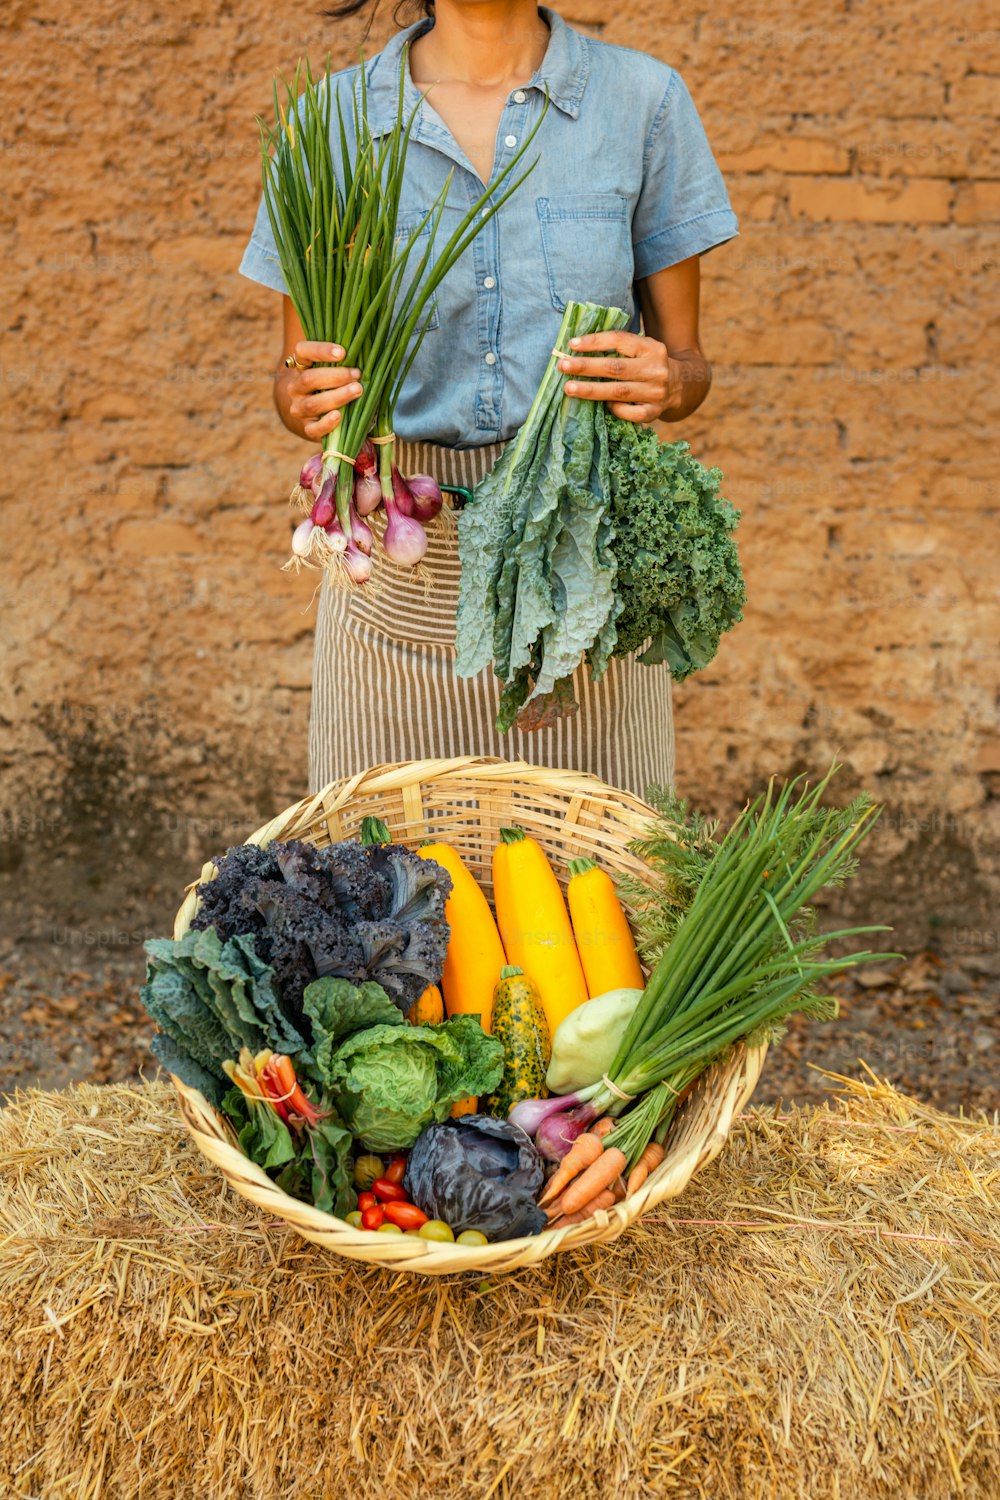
{"x": 818, "y": 1320}
{"x": 465, "y": 802}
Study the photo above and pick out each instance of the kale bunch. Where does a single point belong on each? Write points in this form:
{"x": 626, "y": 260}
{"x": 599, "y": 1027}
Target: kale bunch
{"x": 679, "y": 583}
{"x": 590, "y": 539}
{"x": 348, "y": 912}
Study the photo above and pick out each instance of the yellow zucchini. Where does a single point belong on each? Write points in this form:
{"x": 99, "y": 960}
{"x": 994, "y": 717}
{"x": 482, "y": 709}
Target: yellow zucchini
{"x": 475, "y": 953}
{"x": 603, "y": 937}
{"x": 534, "y": 924}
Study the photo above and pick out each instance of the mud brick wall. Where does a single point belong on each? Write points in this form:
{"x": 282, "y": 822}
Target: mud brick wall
{"x": 156, "y": 664}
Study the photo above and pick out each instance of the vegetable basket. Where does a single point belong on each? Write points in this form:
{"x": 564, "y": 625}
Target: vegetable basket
{"x": 465, "y": 802}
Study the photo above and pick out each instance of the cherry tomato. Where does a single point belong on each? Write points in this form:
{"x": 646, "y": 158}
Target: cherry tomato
{"x": 436, "y": 1229}
{"x": 390, "y": 1229}
{"x": 372, "y": 1217}
{"x": 394, "y": 1171}
{"x": 354, "y": 1219}
{"x": 472, "y": 1237}
{"x": 366, "y": 1200}
{"x": 406, "y": 1215}
{"x": 389, "y": 1192}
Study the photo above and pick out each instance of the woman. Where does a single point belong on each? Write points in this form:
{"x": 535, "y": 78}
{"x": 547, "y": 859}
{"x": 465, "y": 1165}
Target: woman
{"x": 624, "y": 199}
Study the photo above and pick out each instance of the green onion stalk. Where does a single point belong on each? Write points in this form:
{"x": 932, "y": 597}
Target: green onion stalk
{"x": 344, "y": 263}
{"x": 745, "y": 955}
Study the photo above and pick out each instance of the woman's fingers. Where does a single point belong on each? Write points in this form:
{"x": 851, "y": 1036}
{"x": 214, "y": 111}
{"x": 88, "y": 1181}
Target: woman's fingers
{"x": 612, "y": 366}
{"x": 313, "y": 352}
{"x": 629, "y": 412}
{"x": 326, "y": 378}
{"x": 609, "y": 390}
{"x": 615, "y": 339}
{"x": 320, "y": 410}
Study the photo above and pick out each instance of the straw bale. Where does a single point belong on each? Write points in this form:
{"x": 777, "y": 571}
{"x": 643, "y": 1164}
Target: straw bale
{"x": 815, "y": 1318}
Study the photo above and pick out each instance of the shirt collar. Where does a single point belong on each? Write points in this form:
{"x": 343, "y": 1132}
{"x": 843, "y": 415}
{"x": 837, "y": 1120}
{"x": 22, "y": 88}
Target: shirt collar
{"x": 564, "y": 70}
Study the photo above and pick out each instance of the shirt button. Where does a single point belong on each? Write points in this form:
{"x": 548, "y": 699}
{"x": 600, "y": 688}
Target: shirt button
{"x": 520, "y": 96}
{"x": 489, "y": 283}
{"x": 490, "y": 358}
{"x": 510, "y": 140}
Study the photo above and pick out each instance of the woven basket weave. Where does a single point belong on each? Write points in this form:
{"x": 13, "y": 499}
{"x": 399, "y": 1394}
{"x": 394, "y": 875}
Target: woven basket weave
{"x": 465, "y": 802}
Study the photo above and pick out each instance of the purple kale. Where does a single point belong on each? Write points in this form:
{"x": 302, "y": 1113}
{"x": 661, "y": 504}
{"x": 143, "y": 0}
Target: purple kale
{"x": 359, "y": 885}
{"x": 348, "y": 911}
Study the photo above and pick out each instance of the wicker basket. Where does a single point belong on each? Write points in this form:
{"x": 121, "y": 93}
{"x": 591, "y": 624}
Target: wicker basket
{"x": 465, "y": 802}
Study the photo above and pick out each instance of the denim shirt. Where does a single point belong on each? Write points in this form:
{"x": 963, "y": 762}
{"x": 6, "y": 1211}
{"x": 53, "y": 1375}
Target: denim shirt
{"x": 625, "y": 185}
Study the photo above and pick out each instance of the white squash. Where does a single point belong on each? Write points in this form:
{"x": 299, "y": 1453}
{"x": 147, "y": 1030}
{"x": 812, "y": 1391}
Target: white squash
{"x": 586, "y": 1041}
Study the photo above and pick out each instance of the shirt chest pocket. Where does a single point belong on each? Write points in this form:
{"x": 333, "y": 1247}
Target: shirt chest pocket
{"x": 406, "y": 223}
{"x": 587, "y": 244}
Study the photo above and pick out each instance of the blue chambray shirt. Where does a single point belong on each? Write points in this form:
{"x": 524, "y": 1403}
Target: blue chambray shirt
{"x": 625, "y": 186}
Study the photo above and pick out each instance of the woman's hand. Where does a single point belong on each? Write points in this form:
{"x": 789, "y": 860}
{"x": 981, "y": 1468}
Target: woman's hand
{"x": 310, "y": 400}
{"x": 648, "y": 381}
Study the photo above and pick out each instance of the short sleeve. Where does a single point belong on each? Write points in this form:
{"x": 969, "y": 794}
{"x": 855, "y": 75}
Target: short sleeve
{"x": 683, "y": 208}
{"x": 261, "y": 261}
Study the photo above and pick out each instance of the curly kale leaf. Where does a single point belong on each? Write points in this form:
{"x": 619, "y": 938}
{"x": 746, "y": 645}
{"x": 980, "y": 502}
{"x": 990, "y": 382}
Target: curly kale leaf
{"x": 679, "y": 581}
{"x": 350, "y": 911}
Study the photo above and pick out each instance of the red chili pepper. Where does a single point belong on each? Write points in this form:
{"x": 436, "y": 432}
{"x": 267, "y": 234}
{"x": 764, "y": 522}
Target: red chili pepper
{"x": 405, "y": 1215}
{"x": 283, "y": 1071}
{"x": 366, "y": 1200}
{"x": 389, "y": 1192}
{"x": 374, "y": 1217}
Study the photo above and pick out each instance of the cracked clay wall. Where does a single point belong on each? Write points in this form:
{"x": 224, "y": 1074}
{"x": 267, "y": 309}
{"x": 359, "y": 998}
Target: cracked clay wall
{"x": 156, "y": 663}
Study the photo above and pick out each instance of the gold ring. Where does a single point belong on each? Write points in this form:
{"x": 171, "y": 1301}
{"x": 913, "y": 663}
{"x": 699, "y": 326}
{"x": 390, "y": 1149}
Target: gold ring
{"x": 291, "y": 363}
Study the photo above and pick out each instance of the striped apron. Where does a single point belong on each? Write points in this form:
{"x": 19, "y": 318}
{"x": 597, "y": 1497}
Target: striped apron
{"x": 384, "y": 683}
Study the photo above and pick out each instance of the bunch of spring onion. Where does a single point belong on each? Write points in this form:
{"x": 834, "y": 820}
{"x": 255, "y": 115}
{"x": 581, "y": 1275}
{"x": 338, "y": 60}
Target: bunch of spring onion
{"x": 743, "y": 957}
{"x": 410, "y": 504}
{"x": 344, "y": 264}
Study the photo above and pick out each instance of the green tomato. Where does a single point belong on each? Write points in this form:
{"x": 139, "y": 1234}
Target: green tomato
{"x": 471, "y": 1237}
{"x": 367, "y": 1169}
{"x": 435, "y": 1229}
{"x": 389, "y": 1229}
{"x": 354, "y": 1219}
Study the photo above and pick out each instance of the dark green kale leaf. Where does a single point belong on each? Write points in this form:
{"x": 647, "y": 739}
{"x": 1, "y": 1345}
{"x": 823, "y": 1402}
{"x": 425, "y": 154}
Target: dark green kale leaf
{"x": 679, "y": 581}
{"x": 210, "y": 999}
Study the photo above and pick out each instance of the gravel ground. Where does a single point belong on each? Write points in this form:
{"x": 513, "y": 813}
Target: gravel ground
{"x": 931, "y": 1029}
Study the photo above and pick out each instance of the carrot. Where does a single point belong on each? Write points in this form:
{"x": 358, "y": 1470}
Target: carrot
{"x": 603, "y": 1127}
{"x": 587, "y": 1148}
{"x": 604, "y": 1199}
{"x": 648, "y": 1162}
{"x": 600, "y": 1174}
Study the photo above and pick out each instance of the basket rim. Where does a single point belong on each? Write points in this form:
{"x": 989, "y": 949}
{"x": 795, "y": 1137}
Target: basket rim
{"x": 737, "y": 1074}
{"x": 604, "y": 1225}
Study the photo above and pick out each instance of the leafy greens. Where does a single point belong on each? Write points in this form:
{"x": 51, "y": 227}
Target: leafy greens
{"x": 315, "y": 1166}
{"x": 387, "y": 1082}
{"x": 350, "y": 911}
{"x": 589, "y": 538}
{"x": 210, "y": 998}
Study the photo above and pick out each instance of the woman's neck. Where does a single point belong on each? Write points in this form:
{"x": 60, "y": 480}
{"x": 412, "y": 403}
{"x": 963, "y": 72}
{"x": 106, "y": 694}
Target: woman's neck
{"x": 490, "y": 43}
